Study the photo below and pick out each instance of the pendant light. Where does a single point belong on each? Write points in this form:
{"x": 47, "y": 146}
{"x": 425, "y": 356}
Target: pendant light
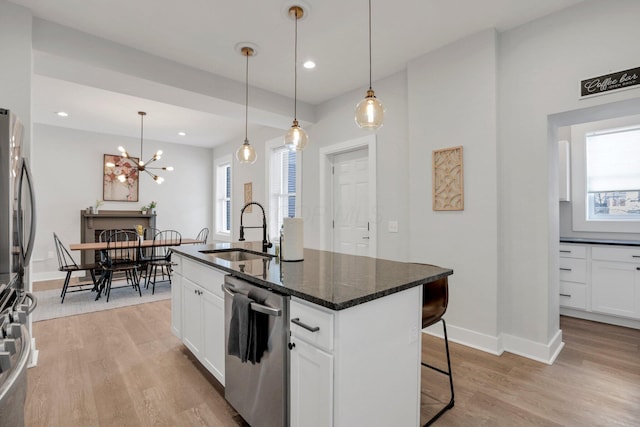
{"x": 246, "y": 153}
{"x": 142, "y": 166}
{"x": 296, "y": 138}
{"x": 369, "y": 112}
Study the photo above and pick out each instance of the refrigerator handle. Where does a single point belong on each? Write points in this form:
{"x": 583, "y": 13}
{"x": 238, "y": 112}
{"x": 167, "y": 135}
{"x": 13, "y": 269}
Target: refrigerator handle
{"x": 26, "y": 251}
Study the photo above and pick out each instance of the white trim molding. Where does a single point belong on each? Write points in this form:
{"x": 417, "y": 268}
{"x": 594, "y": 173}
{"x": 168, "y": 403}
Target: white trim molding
{"x": 326, "y": 153}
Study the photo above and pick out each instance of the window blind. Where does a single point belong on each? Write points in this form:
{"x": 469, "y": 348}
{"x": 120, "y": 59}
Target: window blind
{"x": 613, "y": 161}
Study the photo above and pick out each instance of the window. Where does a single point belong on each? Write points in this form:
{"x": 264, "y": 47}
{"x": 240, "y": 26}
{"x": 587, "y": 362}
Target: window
{"x": 613, "y": 174}
{"x": 223, "y": 197}
{"x": 605, "y": 175}
{"x": 284, "y": 182}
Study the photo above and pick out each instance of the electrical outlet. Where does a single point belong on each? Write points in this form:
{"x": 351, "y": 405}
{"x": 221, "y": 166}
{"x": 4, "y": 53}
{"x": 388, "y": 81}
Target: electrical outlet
{"x": 393, "y": 226}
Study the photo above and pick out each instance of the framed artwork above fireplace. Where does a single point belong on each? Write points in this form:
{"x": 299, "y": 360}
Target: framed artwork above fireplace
{"x": 120, "y": 178}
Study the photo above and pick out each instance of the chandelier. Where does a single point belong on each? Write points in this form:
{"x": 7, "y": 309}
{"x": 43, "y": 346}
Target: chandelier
{"x": 140, "y": 165}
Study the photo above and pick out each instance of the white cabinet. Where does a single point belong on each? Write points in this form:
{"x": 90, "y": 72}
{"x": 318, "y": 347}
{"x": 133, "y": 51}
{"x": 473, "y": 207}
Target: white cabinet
{"x": 311, "y": 365}
{"x": 192, "y": 316}
{"x": 176, "y": 302}
{"x": 311, "y": 385}
{"x": 198, "y": 315}
{"x": 564, "y": 171}
{"x": 360, "y": 367}
{"x": 615, "y": 281}
{"x": 573, "y": 276}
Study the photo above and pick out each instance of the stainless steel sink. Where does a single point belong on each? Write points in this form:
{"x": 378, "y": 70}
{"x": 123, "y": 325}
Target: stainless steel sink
{"x": 236, "y": 255}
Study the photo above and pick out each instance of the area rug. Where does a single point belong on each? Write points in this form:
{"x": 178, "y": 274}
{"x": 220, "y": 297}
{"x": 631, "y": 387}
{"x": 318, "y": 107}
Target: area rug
{"x": 49, "y": 306}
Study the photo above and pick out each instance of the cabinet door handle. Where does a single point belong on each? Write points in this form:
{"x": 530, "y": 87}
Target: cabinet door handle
{"x": 635, "y": 256}
{"x": 637, "y": 268}
{"x": 565, "y": 269}
{"x": 297, "y": 321}
{"x": 565, "y": 295}
{"x": 564, "y": 251}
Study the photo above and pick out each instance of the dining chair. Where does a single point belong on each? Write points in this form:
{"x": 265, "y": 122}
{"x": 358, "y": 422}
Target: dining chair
{"x": 161, "y": 256}
{"x": 435, "y": 299}
{"x": 121, "y": 255}
{"x": 67, "y": 264}
{"x": 203, "y": 235}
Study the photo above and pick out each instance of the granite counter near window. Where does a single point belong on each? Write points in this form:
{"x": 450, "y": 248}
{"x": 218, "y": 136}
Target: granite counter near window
{"x": 588, "y": 241}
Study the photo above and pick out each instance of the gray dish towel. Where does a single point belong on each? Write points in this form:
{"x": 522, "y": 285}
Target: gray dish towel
{"x": 248, "y": 329}
{"x": 238, "y": 341}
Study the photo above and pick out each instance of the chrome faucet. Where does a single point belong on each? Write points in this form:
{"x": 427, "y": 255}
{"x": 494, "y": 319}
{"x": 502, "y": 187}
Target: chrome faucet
{"x": 265, "y": 243}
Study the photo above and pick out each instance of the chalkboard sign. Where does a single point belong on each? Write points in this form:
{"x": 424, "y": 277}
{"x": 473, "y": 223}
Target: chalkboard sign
{"x": 608, "y": 82}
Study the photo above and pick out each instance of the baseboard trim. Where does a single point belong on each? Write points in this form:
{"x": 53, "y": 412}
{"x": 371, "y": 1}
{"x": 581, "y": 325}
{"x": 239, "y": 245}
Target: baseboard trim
{"x": 545, "y": 353}
{"x": 51, "y": 275}
{"x": 603, "y": 318}
{"x": 466, "y": 337}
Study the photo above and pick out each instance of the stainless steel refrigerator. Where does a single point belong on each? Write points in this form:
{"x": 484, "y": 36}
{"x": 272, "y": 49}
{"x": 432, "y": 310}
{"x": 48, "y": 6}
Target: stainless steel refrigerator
{"x": 17, "y": 203}
{"x": 17, "y": 233}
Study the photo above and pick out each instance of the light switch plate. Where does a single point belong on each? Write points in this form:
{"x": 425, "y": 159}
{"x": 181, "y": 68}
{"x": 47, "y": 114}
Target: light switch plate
{"x": 393, "y": 226}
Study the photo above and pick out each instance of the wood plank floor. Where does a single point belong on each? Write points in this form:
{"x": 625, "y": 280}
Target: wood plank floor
{"x": 123, "y": 367}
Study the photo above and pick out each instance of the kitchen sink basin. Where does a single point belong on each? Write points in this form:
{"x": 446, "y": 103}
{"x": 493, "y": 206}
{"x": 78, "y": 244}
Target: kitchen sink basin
{"x": 235, "y": 255}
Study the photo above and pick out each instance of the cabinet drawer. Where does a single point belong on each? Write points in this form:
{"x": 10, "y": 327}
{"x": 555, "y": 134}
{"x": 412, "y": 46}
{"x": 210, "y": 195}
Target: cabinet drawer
{"x": 573, "y": 251}
{"x": 312, "y": 317}
{"x": 573, "y": 295}
{"x": 573, "y": 270}
{"x": 206, "y": 277}
{"x": 625, "y": 254}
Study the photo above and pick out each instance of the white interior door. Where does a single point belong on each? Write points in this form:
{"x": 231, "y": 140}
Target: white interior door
{"x": 351, "y": 202}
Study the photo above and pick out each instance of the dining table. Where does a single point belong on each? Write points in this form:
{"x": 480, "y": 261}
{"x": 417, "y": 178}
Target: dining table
{"x": 147, "y": 243}
{"x": 101, "y": 246}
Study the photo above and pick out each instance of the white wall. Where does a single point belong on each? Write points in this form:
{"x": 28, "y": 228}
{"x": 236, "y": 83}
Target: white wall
{"x": 15, "y": 51}
{"x": 452, "y": 102}
{"x": 243, "y": 173}
{"x": 335, "y": 125}
{"x": 67, "y": 169}
{"x": 540, "y": 66}
{"x": 503, "y": 104}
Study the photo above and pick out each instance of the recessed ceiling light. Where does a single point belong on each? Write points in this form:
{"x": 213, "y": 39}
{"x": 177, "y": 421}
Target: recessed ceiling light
{"x": 62, "y": 113}
{"x": 182, "y": 133}
{"x": 309, "y": 64}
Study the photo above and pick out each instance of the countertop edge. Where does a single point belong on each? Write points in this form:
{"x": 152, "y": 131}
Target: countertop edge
{"x": 315, "y": 300}
{"x": 591, "y": 241}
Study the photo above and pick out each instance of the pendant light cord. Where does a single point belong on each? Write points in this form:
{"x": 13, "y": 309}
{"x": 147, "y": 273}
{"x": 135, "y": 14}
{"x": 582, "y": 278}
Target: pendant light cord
{"x": 246, "y": 100}
{"x": 370, "y": 45}
{"x": 141, "y": 136}
{"x": 295, "y": 70}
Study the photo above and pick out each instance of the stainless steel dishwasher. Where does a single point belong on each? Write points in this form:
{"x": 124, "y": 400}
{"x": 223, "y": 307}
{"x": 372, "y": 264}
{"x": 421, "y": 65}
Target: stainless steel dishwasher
{"x": 259, "y": 392}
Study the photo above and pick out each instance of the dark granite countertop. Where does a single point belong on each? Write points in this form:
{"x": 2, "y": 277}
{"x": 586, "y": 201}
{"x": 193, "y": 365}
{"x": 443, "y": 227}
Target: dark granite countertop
{"x": 333, "y": 280}
{"x": 599, "y": 241}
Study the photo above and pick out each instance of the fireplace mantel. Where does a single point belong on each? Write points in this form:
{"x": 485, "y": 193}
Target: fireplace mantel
{"x": 91, "y": 224}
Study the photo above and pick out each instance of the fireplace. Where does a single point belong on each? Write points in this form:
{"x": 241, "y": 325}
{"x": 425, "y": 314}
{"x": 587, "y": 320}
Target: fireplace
{"x": 92, "y": 224}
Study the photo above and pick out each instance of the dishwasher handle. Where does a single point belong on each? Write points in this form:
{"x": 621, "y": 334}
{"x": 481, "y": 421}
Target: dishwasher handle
{"x": 276, "y": 312}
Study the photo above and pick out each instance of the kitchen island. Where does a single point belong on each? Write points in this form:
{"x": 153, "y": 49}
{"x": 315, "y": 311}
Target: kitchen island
{"x": 361, "y": 366}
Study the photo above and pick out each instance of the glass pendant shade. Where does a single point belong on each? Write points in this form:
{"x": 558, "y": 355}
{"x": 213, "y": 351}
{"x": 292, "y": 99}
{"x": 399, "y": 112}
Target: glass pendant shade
{"x": 296, "y": 138}
{"x": 246, "y": 153}
{"x": 369, "y": 112}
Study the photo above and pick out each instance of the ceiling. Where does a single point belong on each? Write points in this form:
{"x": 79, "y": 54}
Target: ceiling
{"x": 203, "y": 34}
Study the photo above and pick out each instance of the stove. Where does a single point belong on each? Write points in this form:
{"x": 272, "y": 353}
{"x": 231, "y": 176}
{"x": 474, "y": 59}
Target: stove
{"x": 15, "y": 347}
